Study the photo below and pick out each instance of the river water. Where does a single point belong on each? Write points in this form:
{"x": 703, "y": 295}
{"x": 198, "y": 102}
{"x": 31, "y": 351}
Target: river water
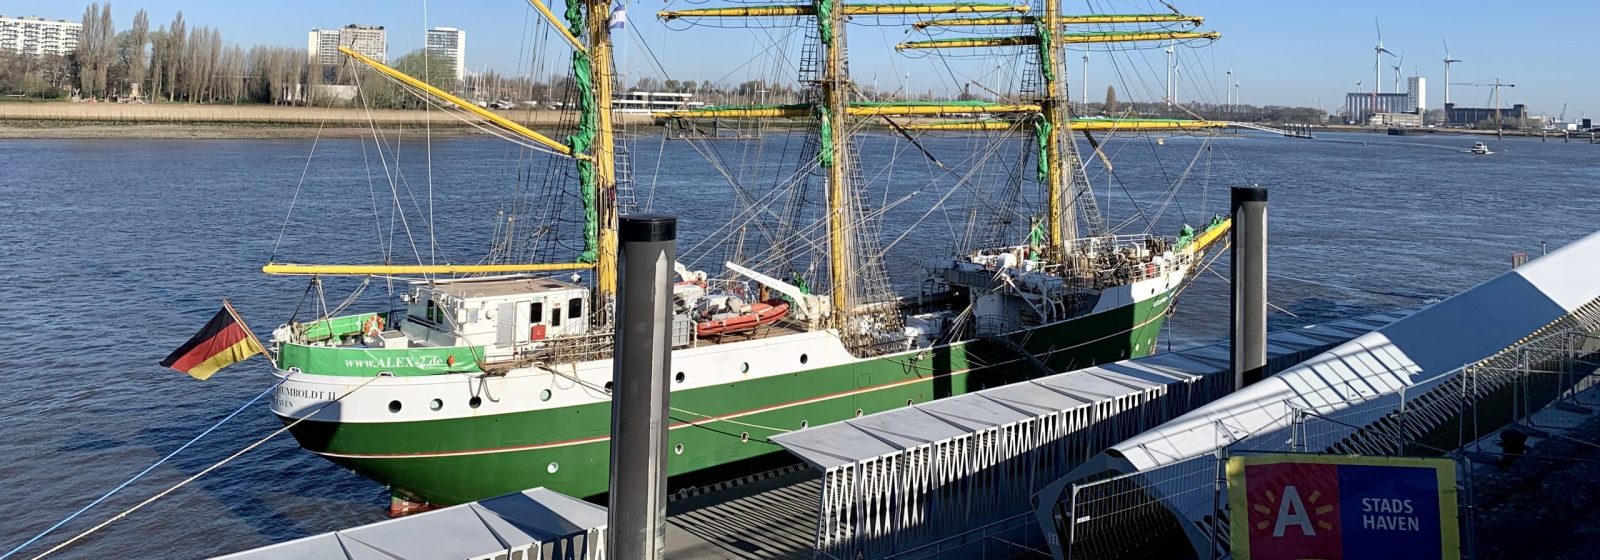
{"x": 113, "y": 252}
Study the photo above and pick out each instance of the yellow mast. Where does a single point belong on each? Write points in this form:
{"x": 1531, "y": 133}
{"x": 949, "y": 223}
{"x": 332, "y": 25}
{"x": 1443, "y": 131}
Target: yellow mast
{"x": 791, "y": 10}
{"x": 599, "y": 32}
{"x": 1093, "y": 125}
{"x": 415, "y": 269}
{"x": 1062, "y": 20}
{"x": 469, "y": 106}
{"x": 852, "y": 109}
{"x": 1065, "y": 38}
{"x": 1061, "y": 219}
{"x": 833, "y": 89}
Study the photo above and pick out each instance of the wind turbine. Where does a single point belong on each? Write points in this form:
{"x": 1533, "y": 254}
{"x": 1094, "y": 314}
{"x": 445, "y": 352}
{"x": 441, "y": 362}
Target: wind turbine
{"x": 1399, "y": 63}
{"x": 1229, "y": 92}
{"x": 1377, "y": 61}
{"x": 1447, "y": 62}
{"x": 1085, "y": 80}
{"x": 1170, "y": 66}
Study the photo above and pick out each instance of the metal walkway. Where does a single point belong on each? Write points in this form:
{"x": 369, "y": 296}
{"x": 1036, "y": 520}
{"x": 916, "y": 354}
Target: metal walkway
{"x": 955, "y": 477}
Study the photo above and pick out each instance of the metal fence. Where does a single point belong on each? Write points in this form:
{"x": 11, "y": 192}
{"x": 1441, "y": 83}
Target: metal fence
{"x": 971, "y": 495}
{"x": 1180, "y": 509}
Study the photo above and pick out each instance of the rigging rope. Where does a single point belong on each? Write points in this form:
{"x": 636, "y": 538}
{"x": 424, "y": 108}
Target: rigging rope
{"x": 159, "y": 462}
{"x": 296, "y": 197}
{"x": 207, "y": 470}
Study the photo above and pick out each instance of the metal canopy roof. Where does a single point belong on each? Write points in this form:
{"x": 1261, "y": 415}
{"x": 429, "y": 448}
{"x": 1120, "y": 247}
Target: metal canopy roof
{"x": 842, "y": 443}
{"x": 1465, "y": 329}
{"x": 455, "y": 533}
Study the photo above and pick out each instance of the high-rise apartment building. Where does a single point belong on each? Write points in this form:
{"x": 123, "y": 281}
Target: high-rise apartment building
{"x": 323, "y": 44}
{"x": 38, "y": 36}
{"x": 450, "y": 45}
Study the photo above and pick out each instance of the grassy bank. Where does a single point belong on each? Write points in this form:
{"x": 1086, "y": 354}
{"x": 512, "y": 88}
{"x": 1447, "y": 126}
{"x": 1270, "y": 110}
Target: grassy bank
{"x": 173, "y": 120}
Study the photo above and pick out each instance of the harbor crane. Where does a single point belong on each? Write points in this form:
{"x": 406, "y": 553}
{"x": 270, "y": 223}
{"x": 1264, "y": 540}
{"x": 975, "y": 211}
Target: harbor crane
{"x": 1496, "y": 84}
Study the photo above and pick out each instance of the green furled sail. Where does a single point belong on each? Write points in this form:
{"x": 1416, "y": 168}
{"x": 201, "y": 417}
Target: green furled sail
{"x": 583, "y": 137}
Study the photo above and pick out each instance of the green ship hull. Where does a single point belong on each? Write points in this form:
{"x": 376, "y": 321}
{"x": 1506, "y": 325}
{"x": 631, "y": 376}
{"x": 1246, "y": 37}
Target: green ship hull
{"x": 453, "y": 461}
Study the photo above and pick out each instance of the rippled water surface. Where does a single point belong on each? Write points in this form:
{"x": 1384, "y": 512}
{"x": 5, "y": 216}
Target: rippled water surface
{"x": 113, "y": 252}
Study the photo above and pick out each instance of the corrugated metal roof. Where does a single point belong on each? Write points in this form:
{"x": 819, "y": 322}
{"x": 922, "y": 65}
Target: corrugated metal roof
{"x": 453, "y": 533}
{"x": 1465, "y": 329}
{"x": 850, "y": 441}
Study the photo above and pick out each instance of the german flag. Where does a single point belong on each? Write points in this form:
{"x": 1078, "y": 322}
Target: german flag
{"x": 223, "y": 342}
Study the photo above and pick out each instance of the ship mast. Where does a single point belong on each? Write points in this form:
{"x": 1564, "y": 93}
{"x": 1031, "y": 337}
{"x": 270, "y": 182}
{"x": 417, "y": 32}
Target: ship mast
{"x": 604, "y": 176}
{"x": 1053, "y": 127}
{"x": 1061, "y": 218}
{"x": 831, "y": 109}
{"x": 830, "y": 28}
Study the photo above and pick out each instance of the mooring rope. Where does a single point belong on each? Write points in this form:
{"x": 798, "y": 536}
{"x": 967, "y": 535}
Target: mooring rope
{"x": 141, "y": 474}
{"x": 186, "y": 481}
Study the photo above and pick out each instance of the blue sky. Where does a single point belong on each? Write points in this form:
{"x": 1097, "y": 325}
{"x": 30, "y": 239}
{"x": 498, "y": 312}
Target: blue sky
{"x": 1283, "y": 52}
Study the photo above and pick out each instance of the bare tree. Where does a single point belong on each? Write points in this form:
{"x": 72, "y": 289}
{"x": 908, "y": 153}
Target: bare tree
{"x": 106, "y": 45}
{"x": 89, "y": 63}
{"x": 174, "y": 55}
{"x": 158, "y": 63}
{"x": 133, "y": 51}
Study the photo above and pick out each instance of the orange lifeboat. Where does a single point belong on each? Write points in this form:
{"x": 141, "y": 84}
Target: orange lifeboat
{"x": 759, "y": 314}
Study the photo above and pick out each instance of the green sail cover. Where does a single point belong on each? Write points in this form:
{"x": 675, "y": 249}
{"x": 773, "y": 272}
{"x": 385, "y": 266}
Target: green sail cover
{"x": 1042, "y": 131}
{"x": 583, "y": 137}
{"x": 1047, "y": 66}
{"x": 367, "y": 362}
{"x": 825, "y": 129}
{"x": 825, "y": 20}
{"x": 1185, "y": 235}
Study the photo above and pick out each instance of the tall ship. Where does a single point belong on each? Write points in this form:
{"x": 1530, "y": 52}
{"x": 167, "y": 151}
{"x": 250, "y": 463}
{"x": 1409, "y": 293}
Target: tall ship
{"x": 493, "y": 377}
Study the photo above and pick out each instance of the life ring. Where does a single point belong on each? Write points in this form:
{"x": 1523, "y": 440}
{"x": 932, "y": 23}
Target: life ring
{"x": 373, "y": 326}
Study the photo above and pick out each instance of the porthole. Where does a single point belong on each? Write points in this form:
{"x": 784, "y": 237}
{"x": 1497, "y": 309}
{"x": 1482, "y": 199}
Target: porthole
{"x": 744, "y": 437}
{"x": 544, "y": 395}
{"x": 677, "y": 449}
{"x": 744, "y": 367}
{"x": 804, "y": 358}
{"x": 609, "y": 384}
{"x": 804, "y": 423}
{"x": 475, "y": 402}
{"x": 858, "y": 413}
{"x": 552, "y": 467}
{"x": 435, "y": 404}
{"x": 678, "y": 377}
{"x": 394, "y": 406}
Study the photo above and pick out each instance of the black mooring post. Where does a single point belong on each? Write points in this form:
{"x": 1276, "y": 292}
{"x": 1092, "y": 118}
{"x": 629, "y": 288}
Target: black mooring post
{"x": 638, "y": 509}
{"x": 1249, "y": 258}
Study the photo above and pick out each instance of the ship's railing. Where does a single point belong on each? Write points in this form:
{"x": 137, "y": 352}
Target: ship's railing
{"x": 581, "y": 348}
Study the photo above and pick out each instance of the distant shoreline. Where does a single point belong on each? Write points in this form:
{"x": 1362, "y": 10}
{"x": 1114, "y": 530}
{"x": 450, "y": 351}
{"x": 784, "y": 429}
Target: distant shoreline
{"x": 188, "y": 121}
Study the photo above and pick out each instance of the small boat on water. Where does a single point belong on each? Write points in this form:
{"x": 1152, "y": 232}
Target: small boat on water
{"x": 1479, "y": 148}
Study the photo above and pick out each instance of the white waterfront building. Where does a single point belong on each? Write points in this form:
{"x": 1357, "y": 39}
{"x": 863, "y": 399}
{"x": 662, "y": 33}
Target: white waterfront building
{"x": 450, "y": 45}
{"x": 323, "y": 44}
{"x": 38, "y": 36}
